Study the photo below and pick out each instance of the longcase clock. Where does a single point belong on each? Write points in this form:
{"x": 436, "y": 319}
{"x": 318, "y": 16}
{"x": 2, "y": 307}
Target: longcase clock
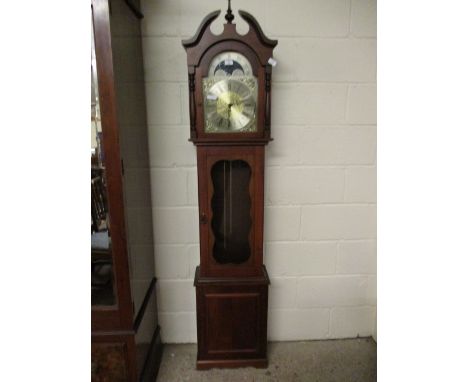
{"x": 229, "y": 95}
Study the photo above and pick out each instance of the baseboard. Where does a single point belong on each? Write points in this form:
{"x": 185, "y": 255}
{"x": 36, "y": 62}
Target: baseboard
{"x": 152, "y": 363}
{"x": 259, "y": 363}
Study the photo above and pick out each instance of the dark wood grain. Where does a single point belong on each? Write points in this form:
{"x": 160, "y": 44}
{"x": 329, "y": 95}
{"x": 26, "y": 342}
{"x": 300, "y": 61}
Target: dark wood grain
{"x": 232, "y": 321}
{"x": 117, "y": 316}
{"x": 113, "y": 329}
{"x": 113, "y": 357}
{"x": 204, "y": 38}
{"x": 257, "y": 48}
{"x": 109, "y": 362}
{"x": 232, "y": 296}
{"x": 207, "y": 156}
{"x": 192, "y": 106}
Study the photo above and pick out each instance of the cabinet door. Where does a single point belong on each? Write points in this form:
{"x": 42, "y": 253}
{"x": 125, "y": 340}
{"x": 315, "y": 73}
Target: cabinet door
{"x": 231, "y": 210}
{"x": 110, "y": 288}
{"x": 232, "y": 321}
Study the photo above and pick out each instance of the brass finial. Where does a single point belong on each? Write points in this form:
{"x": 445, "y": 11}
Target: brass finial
{"x": 229, "y": 16}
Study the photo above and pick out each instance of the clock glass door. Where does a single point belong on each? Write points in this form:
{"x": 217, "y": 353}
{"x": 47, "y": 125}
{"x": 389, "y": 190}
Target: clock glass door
{"x": 231, "y": 205}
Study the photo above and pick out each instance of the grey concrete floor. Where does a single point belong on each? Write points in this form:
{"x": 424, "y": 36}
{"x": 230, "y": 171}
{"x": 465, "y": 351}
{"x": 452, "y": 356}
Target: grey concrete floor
{"x": 352, "y": 360}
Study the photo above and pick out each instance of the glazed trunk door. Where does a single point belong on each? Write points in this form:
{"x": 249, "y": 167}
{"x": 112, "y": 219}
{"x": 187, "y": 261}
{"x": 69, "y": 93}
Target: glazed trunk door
{"x": 228, "y": 184}
{"x": 230, "y": 203}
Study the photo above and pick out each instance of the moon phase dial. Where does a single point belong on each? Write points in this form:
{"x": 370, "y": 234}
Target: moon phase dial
{"x": 228, "y": 64}
{"x": 229, "y": 69}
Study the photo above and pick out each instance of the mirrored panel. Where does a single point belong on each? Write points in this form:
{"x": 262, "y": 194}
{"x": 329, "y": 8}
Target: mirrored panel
{"x": 102, "y": 268}
{"x": 231, "y": 204}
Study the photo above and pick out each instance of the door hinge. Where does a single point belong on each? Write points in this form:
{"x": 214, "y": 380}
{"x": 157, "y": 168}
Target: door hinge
{"x": 122, "y": 166}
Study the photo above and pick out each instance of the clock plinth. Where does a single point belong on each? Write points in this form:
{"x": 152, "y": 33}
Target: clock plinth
{"x": 229, "y": 98}
{"x": 232, "y": 321}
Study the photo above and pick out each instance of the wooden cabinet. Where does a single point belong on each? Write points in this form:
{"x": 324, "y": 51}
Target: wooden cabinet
{"x": 232, "y": 321}
{"x": 229, "y": 78}
{"x": 126, "y": 344}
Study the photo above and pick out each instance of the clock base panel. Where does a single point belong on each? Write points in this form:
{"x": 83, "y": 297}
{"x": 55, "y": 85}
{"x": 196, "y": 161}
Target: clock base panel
{"x": 232, "y": 321}
{"x": 261, "y": 363}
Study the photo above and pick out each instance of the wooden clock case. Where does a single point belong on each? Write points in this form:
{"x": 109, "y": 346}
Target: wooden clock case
{"x": 232, "y": 297}
{"x": 126, "y": 342}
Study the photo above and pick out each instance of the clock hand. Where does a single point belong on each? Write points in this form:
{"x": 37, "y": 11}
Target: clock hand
{"x": 229, "y": 115}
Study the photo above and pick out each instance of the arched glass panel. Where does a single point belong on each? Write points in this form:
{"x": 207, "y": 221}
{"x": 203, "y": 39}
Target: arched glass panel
{"x": 231, "y": 222}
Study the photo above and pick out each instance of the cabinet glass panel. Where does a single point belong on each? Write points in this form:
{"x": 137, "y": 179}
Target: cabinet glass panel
{"x": 231, "y": 204}
{"x": 102, "y": 268}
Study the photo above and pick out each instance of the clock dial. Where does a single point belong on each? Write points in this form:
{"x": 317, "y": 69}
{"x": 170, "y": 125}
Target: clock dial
{"x": 230, "y": 95}
{"x": 230, "y": 104}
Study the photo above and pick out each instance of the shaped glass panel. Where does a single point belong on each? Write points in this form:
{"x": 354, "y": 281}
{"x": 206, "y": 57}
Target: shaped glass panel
{"x": 231, "y": 204}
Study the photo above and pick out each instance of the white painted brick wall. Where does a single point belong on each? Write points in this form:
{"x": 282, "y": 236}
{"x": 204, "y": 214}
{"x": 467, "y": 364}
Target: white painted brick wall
{"x": 305, "y": 185}
{"x": 320, "y": 186}
{"x": 174, "y": 296}
{"x": 300, "y": 258}
{"x": 352, "y": 321}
